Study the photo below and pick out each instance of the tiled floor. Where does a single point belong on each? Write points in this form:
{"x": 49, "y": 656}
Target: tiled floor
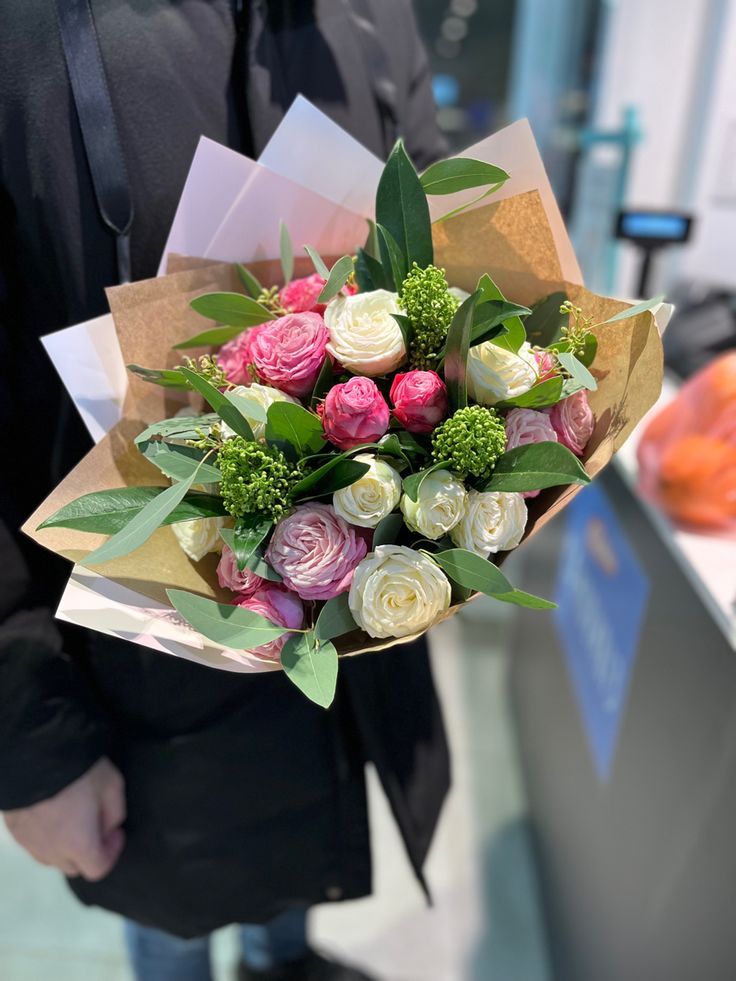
{"x": 485, "y": 925}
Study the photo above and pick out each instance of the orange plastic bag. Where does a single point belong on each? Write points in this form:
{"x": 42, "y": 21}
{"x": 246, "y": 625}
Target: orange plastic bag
{"x": 687, "y": 455}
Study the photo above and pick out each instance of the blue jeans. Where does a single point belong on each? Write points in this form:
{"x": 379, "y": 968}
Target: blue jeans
{"x": 158, "y": 956}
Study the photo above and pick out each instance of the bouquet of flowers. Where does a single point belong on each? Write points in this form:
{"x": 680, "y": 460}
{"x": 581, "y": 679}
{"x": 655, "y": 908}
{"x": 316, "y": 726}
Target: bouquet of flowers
{"x": 343, "y": 449}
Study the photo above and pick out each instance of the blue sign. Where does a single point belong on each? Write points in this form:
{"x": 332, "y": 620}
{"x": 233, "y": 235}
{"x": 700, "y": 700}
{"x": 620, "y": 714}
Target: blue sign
{"x": 602, "y": 593}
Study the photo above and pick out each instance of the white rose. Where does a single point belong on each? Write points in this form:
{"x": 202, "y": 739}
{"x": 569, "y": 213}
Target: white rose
{"x": 364, "y": 337}
{"x": 439, "y": 505}
{"x": 260, "y": 398}
{"x": 495, "y": 374}
{"x": 198, "y": 537}
{"x": 366, "y": 501}
{"x": 494, "y": 521}
{"x": 396, "y": 591}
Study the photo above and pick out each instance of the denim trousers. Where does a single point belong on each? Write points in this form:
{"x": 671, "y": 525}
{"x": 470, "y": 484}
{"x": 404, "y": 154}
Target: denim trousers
{"x": 159, "y": 956}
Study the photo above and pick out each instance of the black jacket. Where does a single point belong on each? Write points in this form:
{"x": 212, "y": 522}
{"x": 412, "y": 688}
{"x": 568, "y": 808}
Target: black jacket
{"x": 243, "y": 797}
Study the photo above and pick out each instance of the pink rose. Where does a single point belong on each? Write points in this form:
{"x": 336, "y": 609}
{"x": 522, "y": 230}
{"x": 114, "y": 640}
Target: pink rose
{"x": 315, "y": 552}
{"x": 280, "y": 607}
{"x": 573, "y": 421}
{"x": 300, "y": 295}
{"x": 528, "y": 426}
{"x": 241, "y": 581}
{"x": 236, "y": 355}
{"x": 354, "y": 413}
{"x": 546, "y": 364}
{"x": 289, "y": 352}
{"x": 420, "y": 400}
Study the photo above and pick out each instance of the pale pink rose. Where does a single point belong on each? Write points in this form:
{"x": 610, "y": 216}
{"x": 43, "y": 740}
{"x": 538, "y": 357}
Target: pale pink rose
{"x": 420, "y": 400}
{"x": 300, "y": 295}
{"x": 528, "y": 426}
{"x": 573, "y": 421}
{"x": 353, "y": 413}
{"x": 289, "y": 352}
{"x": 546, "y": 364}
{"x": 236, "y": 355}
{"x": 280, "y": 607}
{"x": 240, "y": 581}
{"x": 315, "y": 552}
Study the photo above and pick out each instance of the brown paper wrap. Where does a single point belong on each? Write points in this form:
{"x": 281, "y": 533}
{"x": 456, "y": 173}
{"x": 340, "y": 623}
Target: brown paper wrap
{"x": 511, "y": 240}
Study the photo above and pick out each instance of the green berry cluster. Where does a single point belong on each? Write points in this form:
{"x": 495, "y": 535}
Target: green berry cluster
{"x": 429, "y": 306}
{"x": 471, "y": 440}
{"x": 255, "y": 478}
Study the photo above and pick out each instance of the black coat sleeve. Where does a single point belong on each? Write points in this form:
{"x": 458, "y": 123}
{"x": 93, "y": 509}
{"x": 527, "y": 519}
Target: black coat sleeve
{"x": 51, "y": 729}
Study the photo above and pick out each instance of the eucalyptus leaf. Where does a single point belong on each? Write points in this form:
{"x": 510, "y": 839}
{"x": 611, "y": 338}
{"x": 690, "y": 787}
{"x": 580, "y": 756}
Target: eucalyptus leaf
{"x": 636, "y": 310}
{"x": 401, "y": 207}
{"x": 287, "y": 253}
{"x": 311, "y": 666}
{"x": 317, "y": 261}
{"x": 210, "y": 338}
{"x": 297, "y": 426}
{"x": 459, "y": 174}
{"x": 225, "y": 406}
{"x": 106, "y": 512}
{"x": 223, "y": 623}
{"x": 165, "y": 377}
{"x": 142, "y": 525}
{"x": 536, "y": 466}
{"x": 528, "y": 600}
{"x": 179, "y": 462}
{"x": 472, "y": 571}
{"x": 335, "y": 619}
{"x": 590, "y": 349}
{"x": 233, "y": 309}
{"x": 179, "y": 428}
{"x": 579, "y": 374}
{"x": 388, "y": 529}
{"x": 339, "y": 275}
{"x": 456, "y": 352}
{"x": 248, "y": 280}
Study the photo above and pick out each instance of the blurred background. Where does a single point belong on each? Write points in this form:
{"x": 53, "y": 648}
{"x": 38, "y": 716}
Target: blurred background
{"x": 589, "y": 835}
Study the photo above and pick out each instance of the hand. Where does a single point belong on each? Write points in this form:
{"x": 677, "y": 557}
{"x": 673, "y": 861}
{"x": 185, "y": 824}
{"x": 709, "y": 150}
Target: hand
{"x": 79, "y": 829}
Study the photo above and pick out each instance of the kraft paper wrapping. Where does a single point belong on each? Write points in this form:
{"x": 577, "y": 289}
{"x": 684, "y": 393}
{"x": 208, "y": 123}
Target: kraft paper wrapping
{"x": 511, "y": 240}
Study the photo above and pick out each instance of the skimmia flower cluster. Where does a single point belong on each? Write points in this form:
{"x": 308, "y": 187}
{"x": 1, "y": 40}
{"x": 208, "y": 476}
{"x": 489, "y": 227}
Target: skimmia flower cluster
{"x": 372, "y": 438}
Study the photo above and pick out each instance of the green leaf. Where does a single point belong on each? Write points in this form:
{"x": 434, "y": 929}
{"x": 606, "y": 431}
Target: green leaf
{"x": 166, "y": 377}
{"x": 456, "y": 352}
{"x": 370, "y": 274}
{"x": 539, "y": 396}
{"x": 210, "y": 338}
{"x": 312, "y": 668}
{"x": 335, "y": 619}
{"x": 249, "y": 406}
{"x": 142, "y": 525}
{"x": 459, "y": 174}
{"x": 287, "y": 253}
{"x": 223, "y": 403}
{"x": 106, "y": 512}
{"x": 371, "y": 242}
{"x": 233, "y": 309}
{"x": 249, "y": 532}
{"x": 323, "y": 383}
{"x": 544, "y": 324}
{"x": 390, "y": 445}
{"x": 401, "y": 207}
{"x": 528, "y": 600}
{"x": 492, "y": 315}
{"x": 180, "y": 428}
{"x": 515, "y": 332}
{"x": 332, "y": 476}
{"x": 249, "y": 281}
{"x": 472, "y": 571}
{"x": 587, "y": 356}
{"x": 317, "y": 262}
{"x": 223, "y": 623}
{"x": 469, "y": 204}
{"x": 255, "y": 561}
{"x": 393, "y": 260}
{"x": 179, "y": 462}
{"x": 413, "y": 483}
{"x": 636, "y": 310}
{"x": 579, "y": 374}
{"x": 339, "y": 275}
{"x": 387, "y": 530}
{"x": 295, "y": 425}
{"x": 410, "y": 444}
{"x": 536, "y": 466}
{"x": 406, "y": 330}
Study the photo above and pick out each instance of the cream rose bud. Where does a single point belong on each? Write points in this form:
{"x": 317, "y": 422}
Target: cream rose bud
{"x": 397, "y": 591}
{"x": 494, "y": 521}
{"x": 364, "y": 336}
{"x": 261, "y": 397}
{"x": 495, "y": 374}
{"x": 439, "y": 505}
{"x": 199, "y": 537}
{"x": 366, "y": 501}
